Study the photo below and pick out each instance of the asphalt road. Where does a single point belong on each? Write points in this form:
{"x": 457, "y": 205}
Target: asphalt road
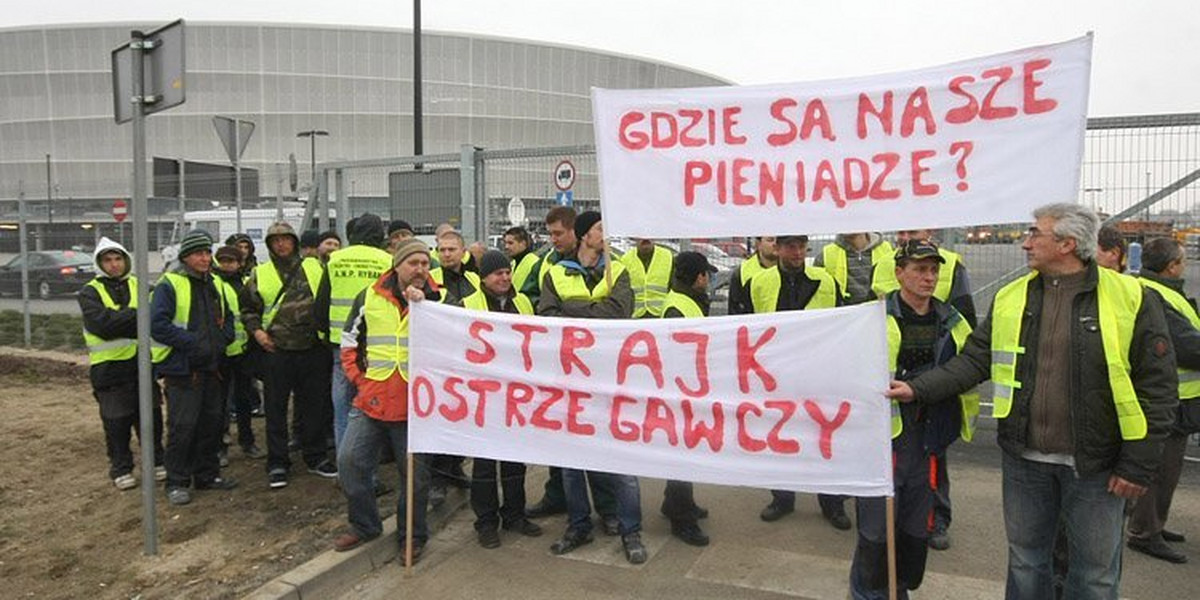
{"x": 798, "y": 557}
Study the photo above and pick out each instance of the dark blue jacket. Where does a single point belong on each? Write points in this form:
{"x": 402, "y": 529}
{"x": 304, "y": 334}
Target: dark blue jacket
{"x": 200, "y": 347}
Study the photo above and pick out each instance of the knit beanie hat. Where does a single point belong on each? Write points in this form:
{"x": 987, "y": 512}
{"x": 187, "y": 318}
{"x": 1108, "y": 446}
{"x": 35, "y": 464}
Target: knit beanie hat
{"x": 584, "y": 223}
{"x": 407, "y": 248}
{"x": 311, "y": 238}
{"x": 329, "y": 234}
{"x": 195, "y": 240}
{"x": 492, "y": 261}
{"x": 399, "y": 225}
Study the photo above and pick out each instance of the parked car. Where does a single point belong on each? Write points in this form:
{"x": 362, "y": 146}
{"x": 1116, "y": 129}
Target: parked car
{"x": 51, "y": 273}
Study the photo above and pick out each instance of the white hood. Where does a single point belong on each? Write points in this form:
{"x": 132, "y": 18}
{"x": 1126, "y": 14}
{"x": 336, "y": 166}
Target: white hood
{"x": 107, "y": 245}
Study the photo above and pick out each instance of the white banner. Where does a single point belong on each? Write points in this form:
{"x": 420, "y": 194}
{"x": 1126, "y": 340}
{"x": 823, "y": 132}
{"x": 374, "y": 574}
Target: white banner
{"x": 790, "y": 400}
{"x": 976, "y": 142}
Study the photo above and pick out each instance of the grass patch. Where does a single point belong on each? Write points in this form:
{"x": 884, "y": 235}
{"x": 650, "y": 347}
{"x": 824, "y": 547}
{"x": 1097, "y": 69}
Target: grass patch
{"x": 47, "y": 332}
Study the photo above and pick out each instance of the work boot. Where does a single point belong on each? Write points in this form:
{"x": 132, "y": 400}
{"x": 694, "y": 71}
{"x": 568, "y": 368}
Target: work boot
{"x": 1157, "y": 548}
{"x": 776, "y": 511}
{"x": 635, "y": 552}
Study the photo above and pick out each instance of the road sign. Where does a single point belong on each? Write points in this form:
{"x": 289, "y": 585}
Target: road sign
{"x": 564, "y": 175}
{"x": 516, "y": 212}
{"x": 120, "y": 210}
{"x": 163, "y": 81}
{"x": 564, "y": 198}
{"x": 235, "y": 141}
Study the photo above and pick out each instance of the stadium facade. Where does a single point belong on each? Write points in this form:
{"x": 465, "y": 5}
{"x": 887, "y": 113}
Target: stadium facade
{"x": 356, "y": 83}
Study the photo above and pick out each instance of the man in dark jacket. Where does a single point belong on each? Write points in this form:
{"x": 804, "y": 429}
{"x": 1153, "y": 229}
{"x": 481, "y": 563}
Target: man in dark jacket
{"x": 764, "y": 257}
{"x": 244, "y": 243}
{"x": 687, "y": 298}
{"x": 236, "y": 377}
{"x": 109, "y": 307}
{"x": 277, "y": 310}
{"x": 1163, "y": 266}
{"x": 191, "y": 324}
{"x": 1081, "y": 432}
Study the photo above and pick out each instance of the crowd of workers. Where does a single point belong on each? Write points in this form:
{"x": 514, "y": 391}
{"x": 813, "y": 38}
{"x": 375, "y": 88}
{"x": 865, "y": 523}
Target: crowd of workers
{"x": 1095, "y": 376}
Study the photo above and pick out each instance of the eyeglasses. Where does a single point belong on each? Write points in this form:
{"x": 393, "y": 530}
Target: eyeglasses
{"x": 1034, "y": 233}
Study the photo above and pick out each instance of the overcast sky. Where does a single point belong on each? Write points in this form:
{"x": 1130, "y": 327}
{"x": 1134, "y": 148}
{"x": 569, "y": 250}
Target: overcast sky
{"x": 1146, "y": 57}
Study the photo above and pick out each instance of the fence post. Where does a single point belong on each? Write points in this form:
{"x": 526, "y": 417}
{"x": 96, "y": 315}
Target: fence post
{"x": 343, "y": 205}
{"x": 468, "y": 216}
{"x": 484, "y": 219}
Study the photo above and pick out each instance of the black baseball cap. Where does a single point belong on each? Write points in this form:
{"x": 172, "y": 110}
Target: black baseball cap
{"x": 689, "y": 265}
{"x": 914, "y": 249}
{"x": 791, "y": 237}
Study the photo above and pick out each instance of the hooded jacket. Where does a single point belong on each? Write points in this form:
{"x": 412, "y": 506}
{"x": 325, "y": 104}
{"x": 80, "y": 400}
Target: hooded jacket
{"x": 106, "y": 323}
{"x": 294, "y": 326}
{"x": 250, "y": 261}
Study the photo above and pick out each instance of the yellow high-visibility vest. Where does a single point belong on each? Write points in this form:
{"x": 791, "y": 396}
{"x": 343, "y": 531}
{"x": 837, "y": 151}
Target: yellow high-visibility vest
{"x": 960, "y": 330}
{"x": 1189, "y": 380}
{"x": 238, "y": 346}
{"x": 1119, "y": 298}
{"x": 101, "y": 350}
{"x": 764, "y": 289}
{"x": 478, "y": 301}
{"x": 683, "y": 303}
{"x": 573, "y": 287}
{"x": 351, "y": 270}
{"x": 522, "y": 270}
{"x": 270, "y": 286}
{"x": 750, "y": 267}
{"x": 183, "y": 309}
{"x": 387, "y": 337}
{"x": 836, "y": 262}
{"x": 650, "y": 285}
{"x": 439, "y": 276}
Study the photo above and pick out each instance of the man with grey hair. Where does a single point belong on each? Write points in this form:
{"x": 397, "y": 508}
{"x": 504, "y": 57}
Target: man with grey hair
{"x": 1163, "y": 265}
{"x": 1084, "y": 395}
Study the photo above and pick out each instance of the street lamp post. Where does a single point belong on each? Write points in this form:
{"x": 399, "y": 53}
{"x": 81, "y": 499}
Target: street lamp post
{"x": 312, "y": 135}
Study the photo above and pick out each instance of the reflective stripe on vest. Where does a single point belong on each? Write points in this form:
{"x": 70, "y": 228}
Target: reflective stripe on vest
{"x": 960, "y": 330}
{"x": 270, "y": 286}
{"x": 522, "y": 270}
{"x": 571, "y": 286}
{"x": 351, "y": 270}
{"x": 684, "y": 304}
{"x": 883, "y": 280}
{"x": 101, "y": 350}
{"x": 1119, "y": 298}
{"x": 1189, "y": 380}
{"x": 183, "y": 309}
{"x": 650, "y": 285}
{"x": 238, "y": 346}
{"x": 478, "y": 301}
{"x": 764, "y": 289}
{"x": 387, "y": 337}
{"x": 836, "y": 262}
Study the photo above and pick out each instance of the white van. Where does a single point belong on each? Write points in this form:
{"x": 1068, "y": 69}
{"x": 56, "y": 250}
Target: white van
{"x": 222, "y": 223}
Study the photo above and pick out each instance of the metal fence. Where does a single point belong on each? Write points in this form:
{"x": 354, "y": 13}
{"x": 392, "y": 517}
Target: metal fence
{"x": 1140, "y": 171}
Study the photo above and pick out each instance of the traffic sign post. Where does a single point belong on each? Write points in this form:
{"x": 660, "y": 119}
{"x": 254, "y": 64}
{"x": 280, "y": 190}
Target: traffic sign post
{"x": 148, "y": 76}
{"x": 119, "y": 211}
{"x": 564, "y": 198}
{"x": 235, "y": 135}
{"x": 564, "y": 175}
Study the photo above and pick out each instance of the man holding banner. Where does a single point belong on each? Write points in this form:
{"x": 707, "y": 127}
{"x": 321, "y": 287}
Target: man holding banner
{"x": 923, "y": 332}
{"x": 792, "y": 285}
{"x": 375, "y": 359}
{"x": 1085, "y": 385}
{"x": 591, "y": 286}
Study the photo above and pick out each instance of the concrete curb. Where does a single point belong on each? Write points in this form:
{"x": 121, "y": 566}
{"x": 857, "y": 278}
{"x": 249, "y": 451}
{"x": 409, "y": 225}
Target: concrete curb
{"x": 331, "y": 572}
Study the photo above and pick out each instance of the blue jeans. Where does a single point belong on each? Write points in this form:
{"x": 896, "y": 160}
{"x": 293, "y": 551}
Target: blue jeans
{"x": 358, "y": 458}
{"x": 1036, "y": 497}
{"x": 343, "y": 391}
{"x": 623, "y": 487}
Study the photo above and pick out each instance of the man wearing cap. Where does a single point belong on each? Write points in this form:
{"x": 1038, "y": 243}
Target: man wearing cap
{"x": 347, "y": 273}
{"x": 649, "y": 267}
{"x": 922, "y": 332}
{"x": 236, "y": 385}
{"x": 588, "y": 287}
{"x": 109, "y": 307}
{"x": 954, "y": 285}
{"x": 375, "y": 358}
{"x": 688, "y": 298}
{"x": 519, "y": 247}
{"x": 191, "y": 325}
{"x": 1084, "y": 383}
{"x": 764, "y": 258}
{"x": 497, "y": 294}
{"x": 792, "y": 285}
{"x": 278, "y": 311}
